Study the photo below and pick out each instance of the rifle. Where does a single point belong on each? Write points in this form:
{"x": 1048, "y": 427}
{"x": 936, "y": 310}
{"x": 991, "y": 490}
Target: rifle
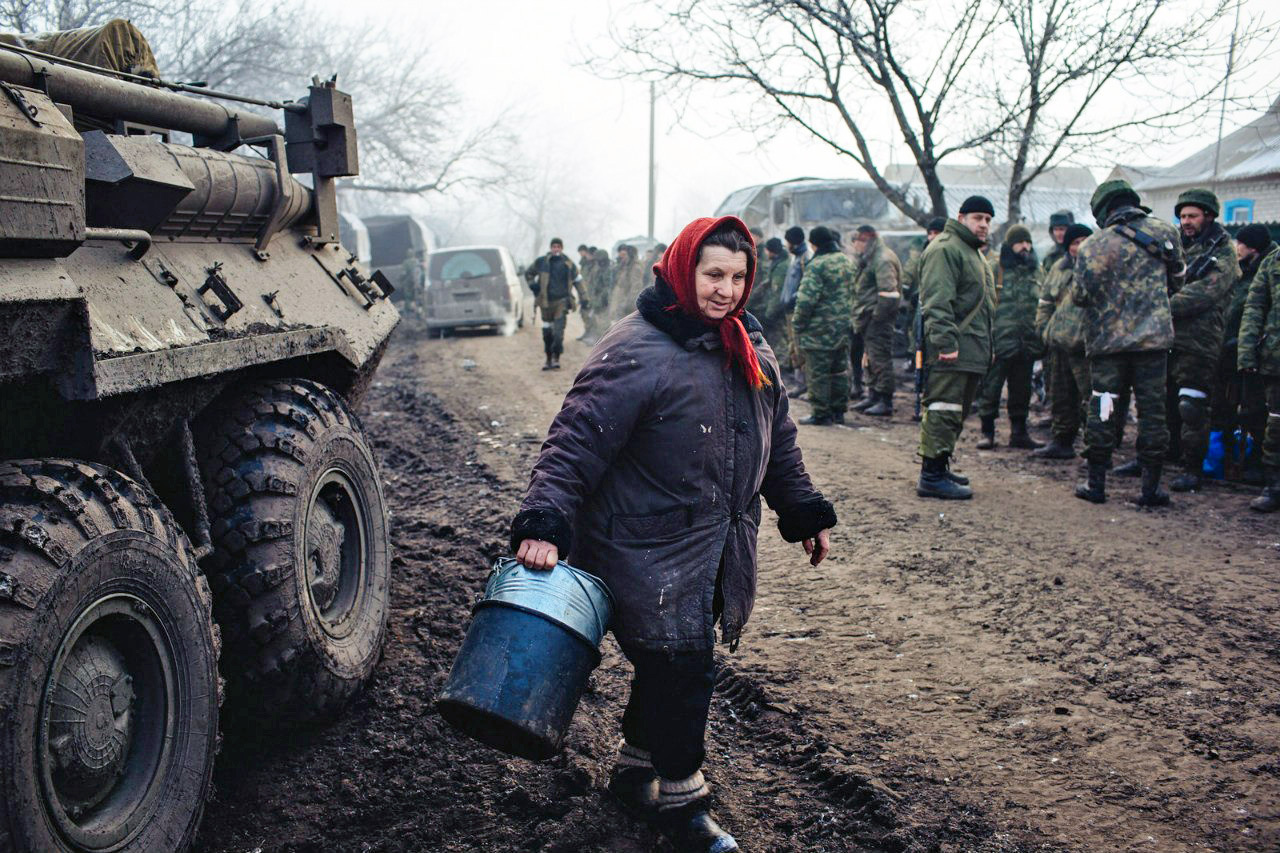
{"x": 921, "y": 373}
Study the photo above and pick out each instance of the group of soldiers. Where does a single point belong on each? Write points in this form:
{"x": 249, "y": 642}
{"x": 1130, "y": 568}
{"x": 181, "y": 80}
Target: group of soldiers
{"x": 606, "y": 290}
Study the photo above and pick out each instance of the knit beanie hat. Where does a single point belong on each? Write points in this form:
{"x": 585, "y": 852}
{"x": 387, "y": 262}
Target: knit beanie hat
{"x": 936, "y": 224}
{"x": 795, "y": 235}
{"x": 1017, "y": 234}
{"x": 1075, "y": 231}
{"x": 977, "y": 204}
{"x": 773, "y": 244}
{"x": 1255, "y": 236}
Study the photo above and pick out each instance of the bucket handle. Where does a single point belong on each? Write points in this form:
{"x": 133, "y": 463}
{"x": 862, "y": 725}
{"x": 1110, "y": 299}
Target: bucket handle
{"x": 497, "y": 568}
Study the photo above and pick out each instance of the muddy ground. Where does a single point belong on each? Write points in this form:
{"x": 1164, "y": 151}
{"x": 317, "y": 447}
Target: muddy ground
{"x": 1022, "y": 672}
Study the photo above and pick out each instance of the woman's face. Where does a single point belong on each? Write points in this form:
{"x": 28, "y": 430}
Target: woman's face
{"x": 719, "y": 280}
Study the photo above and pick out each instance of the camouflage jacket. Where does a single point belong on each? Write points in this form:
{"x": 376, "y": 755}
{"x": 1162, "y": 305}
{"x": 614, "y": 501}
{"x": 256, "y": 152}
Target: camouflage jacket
{"x": 1235, "y": 310}
{"x": 879, "y": 276}
{"x": 824, "y": 302}
{"x": 1199, "y": 306}
{"x": 1013, "y": 331}
{"x": 957, "y": 299}
{"x": 1123, "y": 290}
{"x": 1057, "y": 253}
{"x": 1059, "y": 321}
{"x": 766, "y": 298}
{"x": 1259, "y": 346}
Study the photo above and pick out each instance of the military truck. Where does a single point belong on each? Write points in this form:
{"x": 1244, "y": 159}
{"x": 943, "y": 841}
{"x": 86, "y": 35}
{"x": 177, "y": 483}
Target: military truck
{"x": 183, "y": 341}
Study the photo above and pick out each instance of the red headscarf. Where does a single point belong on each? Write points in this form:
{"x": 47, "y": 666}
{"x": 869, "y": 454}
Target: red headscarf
{"x": 677, "y": 269}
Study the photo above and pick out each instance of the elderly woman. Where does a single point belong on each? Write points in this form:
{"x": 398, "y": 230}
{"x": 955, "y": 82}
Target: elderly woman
{"x": 651, "y": 478}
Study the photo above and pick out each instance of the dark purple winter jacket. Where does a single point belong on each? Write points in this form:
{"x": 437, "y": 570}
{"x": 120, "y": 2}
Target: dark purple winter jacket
{"x": 652, "y": 473}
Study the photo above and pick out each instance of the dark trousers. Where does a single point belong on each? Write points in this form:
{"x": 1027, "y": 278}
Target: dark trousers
{"x": 554, "y": 314}
{"x": 666, "y": 714}
{"x": 1190, "y": 389}
{"x": 1016, "y": 372}
{"x": 1239, "y": 402}
{"x": 1146, "y": 374}
{"x": 857, "y": 346}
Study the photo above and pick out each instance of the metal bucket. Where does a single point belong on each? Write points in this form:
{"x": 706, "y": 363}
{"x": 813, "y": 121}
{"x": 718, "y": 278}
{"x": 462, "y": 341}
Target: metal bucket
{"x": 533, "y": 641}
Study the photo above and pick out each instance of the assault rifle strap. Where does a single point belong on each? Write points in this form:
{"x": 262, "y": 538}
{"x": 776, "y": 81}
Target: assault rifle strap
{"x": 1205, "y": 263}
{"x": 1161, "y": 250}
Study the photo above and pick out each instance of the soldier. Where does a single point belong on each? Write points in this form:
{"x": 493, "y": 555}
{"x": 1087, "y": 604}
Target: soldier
{"x": 1240, "y": 402}
{"x": 957, "y": 295}
{"x": 557, "y": 279}
{"x": 1059, "y": 323}
{"x": 1198, "y": 309}
{"x": 911, "y": 279}
{"x": 766, "y": 296}
{"x": 586, "y": 269}
{"x": 413, "y": 280}
{"x": 799, "y": 250}
{"x": 1123, "y": 276}
{"x": 821, "y": 321}
{"x": 628, "y": 281}
{"x": 877, "y": 294}
{"x": 1014, "y": 341}
{"x": 1058, "y": 224}
{"x": 598, "y": 316}
{"x": 1259, "y": 354}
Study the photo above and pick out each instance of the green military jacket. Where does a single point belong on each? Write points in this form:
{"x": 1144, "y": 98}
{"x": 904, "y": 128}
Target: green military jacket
{"x": 911, "y": 275}
{"x": 1259, "y": 345}
{"x": 879, "y": 277}
{"x": 1013, "y": 330}
{"x": 1059, "y": 321}
{"x": 1057, "y": 253}
{"x": 1123, "y": 290}
{"x": 824, "y": 302}
{"x": 1200, "y": 305}
{"x": 957, "y": 298}
{"x": 765, "y": 303}
{"x": 1239, "y": 293}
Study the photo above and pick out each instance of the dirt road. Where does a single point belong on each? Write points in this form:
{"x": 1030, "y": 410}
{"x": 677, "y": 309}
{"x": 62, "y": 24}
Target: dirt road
{"x": 1022, "y": 672}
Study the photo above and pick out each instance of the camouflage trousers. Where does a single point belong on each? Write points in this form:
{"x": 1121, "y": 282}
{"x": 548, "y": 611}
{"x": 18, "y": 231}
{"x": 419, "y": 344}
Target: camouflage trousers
{"x": 827, "y": 372}
{"x": 1271, "y": 440}
{"x": 878, "y": 341}
{"x": 794, "y": 354}
{"x": 1190, "y": 389}
{"x": 554, "y": 315}
{"x": 1016, "y": 373}
{"x": 1069, "y": 392}
{"x": 1144, "y": 373}
{"x": 948, "y": 396}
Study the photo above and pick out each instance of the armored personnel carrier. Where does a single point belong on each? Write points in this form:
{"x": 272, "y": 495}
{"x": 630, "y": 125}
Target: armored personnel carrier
{"x": 182, "y": 342}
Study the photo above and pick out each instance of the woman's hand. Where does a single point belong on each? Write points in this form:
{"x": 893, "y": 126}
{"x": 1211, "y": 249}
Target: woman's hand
{"x": 817, "y": 553}
{"x": 543, "y": 556}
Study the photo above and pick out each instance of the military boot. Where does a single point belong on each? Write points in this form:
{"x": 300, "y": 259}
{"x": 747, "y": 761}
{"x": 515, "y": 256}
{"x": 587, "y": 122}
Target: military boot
{"x": 801, "y": 386}
{"x": 856, "y": 390}
{"x": 882, "y": 408}
{"x": 1020, "y": 438}
{"x": 1055, "y": 450}
{"x": 815, "y": 420}
{"x": 934, "y": 482}
{"x": 958, "y": 479}
{"x": 550, "y": 364}
{"x": 691, "y": 829}
{"x": 636, "y": 788}
{"x": 866, "y": 403}
{"x": 1132, "y": 468}
{"x": 988, "y": 440}
{"x": 1189, "y": 480}
{"x": 1269, "y": 500}
{"x": 1095, "y": 489}
{"x": 1152, "y": 494}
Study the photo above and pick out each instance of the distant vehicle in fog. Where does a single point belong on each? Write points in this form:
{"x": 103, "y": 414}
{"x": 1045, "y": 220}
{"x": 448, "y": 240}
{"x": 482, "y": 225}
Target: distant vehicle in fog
{"x": 394, "y": 239}
{"x": 841, "y": 204}
{"x": 471, "y": 286}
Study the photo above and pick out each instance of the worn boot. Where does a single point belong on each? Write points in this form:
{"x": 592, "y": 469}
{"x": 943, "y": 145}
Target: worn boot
{"x": 636, "y": 788}
{"x": 1129, "y": 469}
{"x": 555, "y": 361}
{"x": 882, "y": 407}
{"x": 958, "y": 479}
{"x": 1020, "y": 438}
{"x": 1269, "y": 500}
{"x": 988, "y": 440}
{"x": 1055, "y": 450}
{"x": 1095, "y": 489}
{"x": 801, "y": 386}
{"x": 1189, "y": 480}
{"x": 1152, "y": 494}
{"x": 866, "y": 403}
{"x": 856, "y": 390}
{"x": 934, "y": 482}
{"x": 816, "y": 420}
{"x": 691, "y": 829}
{"x": 550, "y": 365}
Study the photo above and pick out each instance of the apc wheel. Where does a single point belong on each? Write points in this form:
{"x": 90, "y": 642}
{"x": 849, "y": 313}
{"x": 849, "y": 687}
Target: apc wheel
{"x": 109, "y": 687}
{"x": 301, "y": 559}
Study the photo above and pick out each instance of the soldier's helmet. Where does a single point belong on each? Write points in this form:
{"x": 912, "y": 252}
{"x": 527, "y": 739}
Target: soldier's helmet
{"x": 1107, "y": 193}
{"x": 1197, "y": 197}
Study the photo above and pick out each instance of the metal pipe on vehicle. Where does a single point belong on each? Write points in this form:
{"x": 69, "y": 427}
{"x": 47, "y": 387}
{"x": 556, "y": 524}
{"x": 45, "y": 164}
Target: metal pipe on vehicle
{"x": 100, "y": 95}
{"x": 140, "y": 239}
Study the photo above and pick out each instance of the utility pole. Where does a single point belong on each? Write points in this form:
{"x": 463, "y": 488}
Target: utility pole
{"x": 653, "y": 183}
{"x": 1222, "y": 114}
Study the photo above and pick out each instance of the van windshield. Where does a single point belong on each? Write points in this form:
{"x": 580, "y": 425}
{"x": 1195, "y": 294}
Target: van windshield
{"x": 469, "y": 263}
{"x": 843, "y": 204}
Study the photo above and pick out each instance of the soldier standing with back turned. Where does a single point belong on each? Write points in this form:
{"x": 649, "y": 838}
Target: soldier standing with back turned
{"x": 821, "y": 321}
{"x": 877, "y": 294}
{"x": 1123, "y": 276}
{"x": 957, "y": 296}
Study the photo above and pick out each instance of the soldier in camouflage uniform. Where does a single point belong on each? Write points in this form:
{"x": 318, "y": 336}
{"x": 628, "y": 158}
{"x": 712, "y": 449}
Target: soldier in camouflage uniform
{"x": 957, "y": 300}
{"x": 1198, "y": 309}
{"x": 765, "y": 303}
{"x": 1259, "y": 353}
{"x": 1060, "y": 324}
{"x": 876, "y": 297}
{"x": 911, "y": 280}
{"x": 1123, "y": 276}
{"x": 626, "y": 283}
{"x": 1240, "y": 401}
{"x": 1014, "y": 341}
{"x": 824, "y": 302}
{"x": 558, "y": 277}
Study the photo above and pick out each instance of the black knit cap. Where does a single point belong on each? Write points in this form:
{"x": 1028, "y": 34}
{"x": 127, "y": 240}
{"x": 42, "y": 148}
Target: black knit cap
{"x": 1255, "y": 236}
{"x": 977, "y": 204}
{"x": 773, "y": 244}
{"x": 1075, "y": 231}
{"x": 936, "y": 224}
{"x": 795, "y": 235}
{"x": 821, "y": 236}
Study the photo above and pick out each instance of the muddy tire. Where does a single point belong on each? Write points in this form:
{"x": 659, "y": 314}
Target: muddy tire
{"x": 301, "y": 559}
{"x": 109, "y": 685}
